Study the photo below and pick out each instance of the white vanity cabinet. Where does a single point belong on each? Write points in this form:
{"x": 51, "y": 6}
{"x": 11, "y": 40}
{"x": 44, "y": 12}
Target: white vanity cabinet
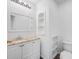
{"x": 31, "y": 50}
{"x": 27, "y": 50}
{"x": 14, "y": 52}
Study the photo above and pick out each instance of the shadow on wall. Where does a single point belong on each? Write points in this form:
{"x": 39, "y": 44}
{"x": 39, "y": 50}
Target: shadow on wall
{"x": 60, "y": 2}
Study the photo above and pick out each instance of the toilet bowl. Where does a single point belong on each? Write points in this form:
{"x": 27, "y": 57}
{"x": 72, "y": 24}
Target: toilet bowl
{"x": 67, "y": 50}
{"x": 65, "y": 55}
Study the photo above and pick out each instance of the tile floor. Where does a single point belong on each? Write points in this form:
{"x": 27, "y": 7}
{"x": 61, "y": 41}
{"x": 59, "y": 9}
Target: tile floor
{"x": 57, "y": 57}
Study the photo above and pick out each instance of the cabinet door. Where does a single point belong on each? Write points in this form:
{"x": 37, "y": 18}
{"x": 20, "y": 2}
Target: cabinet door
{"x": 31, "y": 49}
{"x": 14, "y": 52}
{"x": 27, "y": 50}
{"x": 36, "y": 46}
{"x": 35, "y": 50}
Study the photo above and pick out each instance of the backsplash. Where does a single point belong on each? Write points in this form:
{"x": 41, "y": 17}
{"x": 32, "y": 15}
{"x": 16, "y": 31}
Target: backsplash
{"x": 23, "y": 34}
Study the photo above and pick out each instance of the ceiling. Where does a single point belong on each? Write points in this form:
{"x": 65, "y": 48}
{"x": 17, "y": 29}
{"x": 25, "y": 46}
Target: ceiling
{"x": 34, "y": 1}
{"x": 58, "y": 2}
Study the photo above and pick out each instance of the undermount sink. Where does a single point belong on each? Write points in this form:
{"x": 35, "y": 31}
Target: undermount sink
{"x": 19, "y": 38}
{"x": 9, "y": 41}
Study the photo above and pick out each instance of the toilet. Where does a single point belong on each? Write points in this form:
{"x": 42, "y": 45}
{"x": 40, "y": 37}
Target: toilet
{"x": 65, "y": 55}
{"x": 67, "y": 50}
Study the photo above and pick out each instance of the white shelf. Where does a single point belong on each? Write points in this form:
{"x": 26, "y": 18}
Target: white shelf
{"x": 18, "y": 31}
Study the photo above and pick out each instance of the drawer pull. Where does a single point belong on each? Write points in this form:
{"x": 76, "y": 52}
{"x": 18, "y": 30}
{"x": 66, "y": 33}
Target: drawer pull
{"x": 33, "y": 42}
{"x": 21, "y": 45}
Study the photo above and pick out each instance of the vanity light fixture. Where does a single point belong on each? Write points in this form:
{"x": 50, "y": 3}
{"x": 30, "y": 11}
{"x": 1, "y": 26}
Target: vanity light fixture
{"x": 21, "y": 2}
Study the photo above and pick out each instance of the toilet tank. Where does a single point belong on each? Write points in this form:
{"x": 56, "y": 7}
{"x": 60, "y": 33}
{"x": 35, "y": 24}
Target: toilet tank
{"x": 67, "y": 46}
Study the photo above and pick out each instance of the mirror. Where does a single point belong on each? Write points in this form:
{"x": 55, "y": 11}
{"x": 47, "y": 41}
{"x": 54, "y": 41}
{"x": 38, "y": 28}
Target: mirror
{"x": 20, "y": 22}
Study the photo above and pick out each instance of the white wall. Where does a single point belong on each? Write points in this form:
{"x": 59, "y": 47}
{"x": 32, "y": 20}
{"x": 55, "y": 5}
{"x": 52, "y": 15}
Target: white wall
{"x": 65, "y": 20}
{"x": 53, "y": 21}
{"x": 61, "y": 20}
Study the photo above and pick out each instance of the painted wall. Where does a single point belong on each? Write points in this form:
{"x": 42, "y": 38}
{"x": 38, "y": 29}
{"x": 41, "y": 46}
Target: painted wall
{"x": 60, "y": 17}
{"x": 53, "y": 20}
{"x": 65, "y": 21}
{"x": 16, "y": 8}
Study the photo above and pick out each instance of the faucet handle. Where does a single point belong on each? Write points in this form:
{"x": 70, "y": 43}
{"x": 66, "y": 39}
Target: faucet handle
{"x": 19, "y": 37}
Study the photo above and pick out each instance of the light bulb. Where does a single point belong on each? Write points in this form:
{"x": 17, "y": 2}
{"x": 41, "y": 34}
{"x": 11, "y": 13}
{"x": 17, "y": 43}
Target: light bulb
{"x": 20, "y": 0}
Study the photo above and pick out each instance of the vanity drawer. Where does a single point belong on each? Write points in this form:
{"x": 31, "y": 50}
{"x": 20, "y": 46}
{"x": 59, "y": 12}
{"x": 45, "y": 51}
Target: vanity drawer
{"x": 33, "y": 56}
{"x": 31, "y": 47}
{"x": 14, "y": 52}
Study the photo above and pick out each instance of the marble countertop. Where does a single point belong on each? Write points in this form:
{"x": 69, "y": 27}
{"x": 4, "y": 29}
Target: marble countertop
{"x": 19, "y": 41}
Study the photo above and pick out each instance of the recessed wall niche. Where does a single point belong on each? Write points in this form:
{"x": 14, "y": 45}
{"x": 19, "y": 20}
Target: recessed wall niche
{"x": 41, "y": 22}
{"x": 12, "y": 17}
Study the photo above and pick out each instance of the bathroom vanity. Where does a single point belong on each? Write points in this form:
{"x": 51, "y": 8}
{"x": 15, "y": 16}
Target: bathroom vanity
{"x": 24, "y": 49}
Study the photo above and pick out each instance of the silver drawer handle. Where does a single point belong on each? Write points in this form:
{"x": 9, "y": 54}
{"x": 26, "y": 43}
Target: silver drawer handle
{"x": 22, "y": 45}
{"x": 33, "y": 42}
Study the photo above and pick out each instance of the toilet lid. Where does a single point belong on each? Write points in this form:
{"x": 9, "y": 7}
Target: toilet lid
{"x": 65, "y": 55}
